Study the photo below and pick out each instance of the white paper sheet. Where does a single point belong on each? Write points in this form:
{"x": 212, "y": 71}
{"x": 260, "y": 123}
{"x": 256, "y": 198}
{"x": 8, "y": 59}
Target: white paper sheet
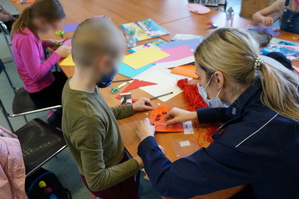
{"x": 188, "y": 127}
{"x": 185, "y": 143}
{"x": 165, "y": 84}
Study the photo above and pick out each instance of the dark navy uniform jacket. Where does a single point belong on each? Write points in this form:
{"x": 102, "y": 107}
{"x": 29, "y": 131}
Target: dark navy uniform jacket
{"x": 257, "y": 147}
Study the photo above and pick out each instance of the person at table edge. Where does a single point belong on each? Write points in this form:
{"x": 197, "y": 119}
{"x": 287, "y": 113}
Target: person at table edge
{"x": 258, "y": 142}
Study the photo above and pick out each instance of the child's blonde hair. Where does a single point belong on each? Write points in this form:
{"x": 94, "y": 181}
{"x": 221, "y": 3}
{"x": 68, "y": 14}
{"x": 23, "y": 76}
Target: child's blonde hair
{"x": 234, "y": 52}
{"x": 96, "y": 36}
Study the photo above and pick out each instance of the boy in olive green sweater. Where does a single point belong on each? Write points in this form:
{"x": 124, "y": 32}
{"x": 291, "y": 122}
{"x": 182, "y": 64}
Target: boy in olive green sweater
{"x": 89, "y": 125}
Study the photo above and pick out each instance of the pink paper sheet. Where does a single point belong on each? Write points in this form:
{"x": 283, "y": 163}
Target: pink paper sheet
{"x": 198, "y": 9}
{"x": 176, "y": 53}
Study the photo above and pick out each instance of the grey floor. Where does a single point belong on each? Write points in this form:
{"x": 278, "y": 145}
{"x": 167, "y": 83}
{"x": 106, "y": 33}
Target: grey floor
{"x": 63, "y": 165}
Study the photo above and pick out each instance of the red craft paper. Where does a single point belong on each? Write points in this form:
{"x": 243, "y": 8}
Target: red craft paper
{"x": 136, "y": 83}
{"x": 159, "y": 124}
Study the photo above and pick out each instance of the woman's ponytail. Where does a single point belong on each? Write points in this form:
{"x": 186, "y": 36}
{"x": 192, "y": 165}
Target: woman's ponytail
{"x": 280, "y": 90}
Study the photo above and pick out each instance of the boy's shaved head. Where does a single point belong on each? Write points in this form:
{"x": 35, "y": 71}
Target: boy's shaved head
{"x": 94, "y": 37}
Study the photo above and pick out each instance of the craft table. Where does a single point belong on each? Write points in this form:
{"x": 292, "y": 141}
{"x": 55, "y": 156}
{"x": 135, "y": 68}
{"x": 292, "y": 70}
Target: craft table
{"x": 174, "y": 17}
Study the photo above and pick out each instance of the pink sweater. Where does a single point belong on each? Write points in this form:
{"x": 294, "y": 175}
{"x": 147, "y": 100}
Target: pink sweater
{"x": 12, "y": 168}
{"x": 29, "y": 55}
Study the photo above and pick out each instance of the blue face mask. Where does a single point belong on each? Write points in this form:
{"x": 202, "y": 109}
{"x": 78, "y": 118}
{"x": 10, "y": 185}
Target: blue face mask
{"x": 212, "y": 103}
{"x": 106, "y": 80}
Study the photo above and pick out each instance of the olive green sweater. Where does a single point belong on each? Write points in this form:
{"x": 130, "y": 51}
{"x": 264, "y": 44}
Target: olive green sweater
{"x": 92, "y": 134}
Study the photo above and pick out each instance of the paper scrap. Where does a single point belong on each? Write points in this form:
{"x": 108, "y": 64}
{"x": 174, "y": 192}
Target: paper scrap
{"x": 192, "y": 43}
{"x": 26, "y": 1}
{"x": 266, "y": 29}
{"x": 186, "y": 37}
{"x": 176, "y": 53}
{"x": 188, "y": 127}
{"x": 70, "y": 27}
{"x": 68, "y": 61}
{"x": 165, "y": 84}
{"x": 186, "y": 70}
{"x": 175, "y": 63}
{"x": 185, "y": 143}
{"x": 144, "y": 57}
{"x": 68, "y": 42}
{"x": 128, "y": 71}
{"x": 156, "y": 43}
{"x": 198, "y": 8}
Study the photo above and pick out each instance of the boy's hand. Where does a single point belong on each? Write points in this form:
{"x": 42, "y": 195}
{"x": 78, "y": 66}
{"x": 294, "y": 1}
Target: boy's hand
{"x": 143, "y": 104}
{"x": 145, "y": 129}
{"x": 140, "y": 162}
{"x": 268, "y": 21}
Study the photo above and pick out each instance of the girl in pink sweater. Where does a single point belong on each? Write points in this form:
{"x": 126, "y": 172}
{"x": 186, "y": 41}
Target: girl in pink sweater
{"x": 43, "y": 86}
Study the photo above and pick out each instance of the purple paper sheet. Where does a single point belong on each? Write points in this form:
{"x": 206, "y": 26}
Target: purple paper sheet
{"x": 191, "y": 43}
{"x": 266, "y": 29}
{"x": 70, "y": 27}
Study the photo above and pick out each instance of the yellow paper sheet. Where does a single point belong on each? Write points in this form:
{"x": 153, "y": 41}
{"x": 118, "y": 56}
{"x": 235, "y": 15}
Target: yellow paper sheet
{"x": 68, "y": 61}
{"x": 144, "y": 57}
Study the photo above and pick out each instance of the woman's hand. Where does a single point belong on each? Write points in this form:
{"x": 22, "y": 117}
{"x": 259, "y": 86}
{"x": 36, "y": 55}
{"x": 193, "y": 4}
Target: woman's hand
{"x": 176, "y": 115}
{"x": 143, "y": 104}
{"x": 268, "y": 21}
{"x": 63, "y": 51}
{"x": 145, "y": 129}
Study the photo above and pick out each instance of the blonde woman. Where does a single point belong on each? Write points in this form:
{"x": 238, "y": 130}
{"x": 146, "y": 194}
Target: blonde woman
{"x": 258, "y": 143}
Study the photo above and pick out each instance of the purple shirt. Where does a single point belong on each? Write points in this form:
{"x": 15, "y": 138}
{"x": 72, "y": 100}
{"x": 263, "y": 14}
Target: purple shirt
{"x": 32, "y": 66}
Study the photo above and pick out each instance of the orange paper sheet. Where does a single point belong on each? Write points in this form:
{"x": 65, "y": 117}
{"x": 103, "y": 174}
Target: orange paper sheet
{"x": 185, "y": 70}
{"x": 157, "y": 118}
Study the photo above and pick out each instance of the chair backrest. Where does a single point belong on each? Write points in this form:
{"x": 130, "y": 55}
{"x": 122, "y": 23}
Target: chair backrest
{"x": 7, "y": 38}
{"x": 5, "y": 113}
{"x": 3, "y": 69}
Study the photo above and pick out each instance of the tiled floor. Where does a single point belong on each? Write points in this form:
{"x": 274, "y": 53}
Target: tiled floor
{"x": 63, "y": 165}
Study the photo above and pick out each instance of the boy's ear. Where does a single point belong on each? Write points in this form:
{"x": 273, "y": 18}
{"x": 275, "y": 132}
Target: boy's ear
{"x": 102, "y": 63}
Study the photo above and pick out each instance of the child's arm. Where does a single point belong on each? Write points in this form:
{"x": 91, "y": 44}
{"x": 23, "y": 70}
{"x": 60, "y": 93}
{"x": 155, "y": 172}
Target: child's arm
{"x": 262, "y": 15}
{"x": 123, "y": 111}
{"x": 5, "y": 16}
{"x": 36, "y": 67}
{"x": 87, "y": 137}
{"x": 143, "y": 104}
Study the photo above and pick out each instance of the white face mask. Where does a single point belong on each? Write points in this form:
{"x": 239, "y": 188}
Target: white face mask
{"x": 212, "y": 103}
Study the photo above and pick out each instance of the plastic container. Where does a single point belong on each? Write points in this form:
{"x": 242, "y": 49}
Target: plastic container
{"x": 229, "y": 17}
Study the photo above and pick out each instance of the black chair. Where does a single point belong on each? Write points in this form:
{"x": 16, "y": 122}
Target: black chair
{"x": 39, "y": 141}
{"x": 6, "y": 35}
{"x": 22, "y": 101}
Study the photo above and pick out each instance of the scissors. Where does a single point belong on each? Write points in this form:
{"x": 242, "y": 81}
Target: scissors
{"x": 213, "y": 26}
{"x": 116, "y": 89}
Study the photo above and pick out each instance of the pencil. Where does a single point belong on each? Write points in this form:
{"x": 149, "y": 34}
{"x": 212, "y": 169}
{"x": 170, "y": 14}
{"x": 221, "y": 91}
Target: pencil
{"x": 152, "y": 98}
{"x": 122, "y": 80}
